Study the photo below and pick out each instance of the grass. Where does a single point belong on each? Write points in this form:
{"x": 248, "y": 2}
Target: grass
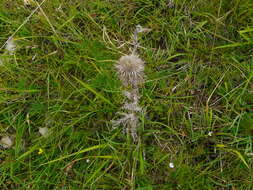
{"x": 199, "y": 71}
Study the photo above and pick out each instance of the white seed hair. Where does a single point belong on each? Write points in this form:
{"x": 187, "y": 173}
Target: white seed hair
{"x": 132, "y": 95}
{"x": 130, "y": 69}
{"x": 131, "y": 106}
{"x": 130, "y": 122}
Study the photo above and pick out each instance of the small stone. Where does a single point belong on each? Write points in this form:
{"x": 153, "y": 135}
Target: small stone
{"x": 6, "y": 142}
{"x": 43, "y": 131}
{"x": 27, "y": 2}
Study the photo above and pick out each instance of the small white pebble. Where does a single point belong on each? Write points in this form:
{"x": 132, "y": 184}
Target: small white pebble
{"x": 171, "y": 165}
{"x": 27, "y": 2}
{"x": 6, "y": 142}
{"x": 43, "y": 131}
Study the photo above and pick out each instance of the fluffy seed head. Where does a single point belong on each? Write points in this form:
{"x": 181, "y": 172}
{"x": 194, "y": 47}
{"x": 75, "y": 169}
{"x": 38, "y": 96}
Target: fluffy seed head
{"x": 130, "y": 121}
{"x": 130, "y": 69}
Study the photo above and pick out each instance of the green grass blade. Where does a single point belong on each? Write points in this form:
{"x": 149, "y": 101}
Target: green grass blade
{"x": 233, "y": 45}
{"x": 88, "y": 87}
{"x": 76, "y": 153}
{"x": 240, "y": 157}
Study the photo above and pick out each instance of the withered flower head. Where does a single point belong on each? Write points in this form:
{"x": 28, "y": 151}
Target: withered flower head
{"x": 130, "y": 69}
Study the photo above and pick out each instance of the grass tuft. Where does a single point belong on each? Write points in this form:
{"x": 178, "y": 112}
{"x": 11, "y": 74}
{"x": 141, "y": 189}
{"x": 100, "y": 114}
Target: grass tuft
{"x": 58, "y": 74}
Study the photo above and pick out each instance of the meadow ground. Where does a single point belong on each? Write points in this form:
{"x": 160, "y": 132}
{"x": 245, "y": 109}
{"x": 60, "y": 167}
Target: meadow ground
{"x": 59, "y": 75}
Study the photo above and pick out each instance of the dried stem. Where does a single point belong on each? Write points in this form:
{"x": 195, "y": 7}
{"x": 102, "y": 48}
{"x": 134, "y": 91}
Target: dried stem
{"x": 130, "y": 70}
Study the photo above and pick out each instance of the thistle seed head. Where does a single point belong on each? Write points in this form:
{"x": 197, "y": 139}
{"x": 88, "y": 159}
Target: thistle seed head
{"x": 132, "y": 95}
{"x": 130, "y": 121}
{"x": 130, "y": 69}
